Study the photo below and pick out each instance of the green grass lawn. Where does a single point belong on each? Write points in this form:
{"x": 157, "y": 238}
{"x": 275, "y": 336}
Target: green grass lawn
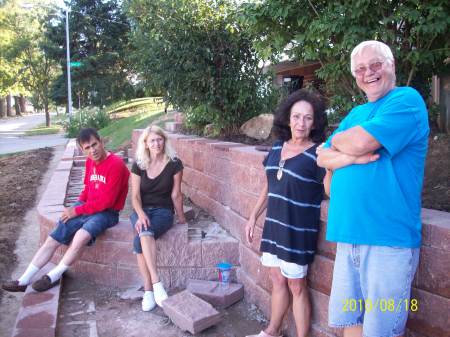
{"x": 135, "y": 103}
{"x": 118, "y": 133}
{"x": 43, "y": 130}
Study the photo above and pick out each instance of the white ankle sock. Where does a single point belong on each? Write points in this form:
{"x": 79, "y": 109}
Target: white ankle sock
{"x": 55, "y": 273}
{"x": 28, "y": 274}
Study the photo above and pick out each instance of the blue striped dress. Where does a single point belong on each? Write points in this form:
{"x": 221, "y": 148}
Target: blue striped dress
{"x": 292, "y": 220}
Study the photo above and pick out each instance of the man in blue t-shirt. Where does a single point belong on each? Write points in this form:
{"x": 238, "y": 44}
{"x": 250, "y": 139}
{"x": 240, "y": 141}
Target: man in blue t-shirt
{"x": 376, "y": 158}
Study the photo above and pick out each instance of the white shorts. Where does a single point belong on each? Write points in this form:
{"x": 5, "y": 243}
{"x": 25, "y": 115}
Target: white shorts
{"x": 288, "y": 269}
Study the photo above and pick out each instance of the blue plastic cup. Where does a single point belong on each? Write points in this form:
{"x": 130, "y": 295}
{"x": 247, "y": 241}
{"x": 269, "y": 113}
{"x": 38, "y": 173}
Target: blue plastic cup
{"x": 224, "y": 273}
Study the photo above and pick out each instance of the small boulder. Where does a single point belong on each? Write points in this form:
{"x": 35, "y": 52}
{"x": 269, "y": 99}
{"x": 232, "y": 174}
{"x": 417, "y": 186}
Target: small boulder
{"x": 258, "y": 127}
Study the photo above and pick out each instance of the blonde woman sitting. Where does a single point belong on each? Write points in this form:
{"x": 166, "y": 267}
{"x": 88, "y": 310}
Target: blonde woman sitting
{"x": 156, "y": 192}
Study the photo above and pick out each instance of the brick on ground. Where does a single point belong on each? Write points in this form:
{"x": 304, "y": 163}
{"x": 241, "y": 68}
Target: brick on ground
{"x": 215, "y": 293}
{"x": 190, "y": 313}
{"x": 38, "y": 313}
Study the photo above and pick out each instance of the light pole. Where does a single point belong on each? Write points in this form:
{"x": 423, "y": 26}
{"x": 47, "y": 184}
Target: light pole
{"x": 69, "y": 82}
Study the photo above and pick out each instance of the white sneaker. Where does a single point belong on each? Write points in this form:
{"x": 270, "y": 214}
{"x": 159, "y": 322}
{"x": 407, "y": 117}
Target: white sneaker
{"x": 148, "y": 301}
{"x": 160, "y": 293}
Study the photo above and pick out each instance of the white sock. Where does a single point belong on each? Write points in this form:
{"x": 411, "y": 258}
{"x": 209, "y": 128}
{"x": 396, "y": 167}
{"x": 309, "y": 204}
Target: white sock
{"x": 55, "y": 273}
{"x": 28, "y": 275}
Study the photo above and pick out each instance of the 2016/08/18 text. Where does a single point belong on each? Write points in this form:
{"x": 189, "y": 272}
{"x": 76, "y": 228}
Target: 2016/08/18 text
{"x": 383, "y": 304}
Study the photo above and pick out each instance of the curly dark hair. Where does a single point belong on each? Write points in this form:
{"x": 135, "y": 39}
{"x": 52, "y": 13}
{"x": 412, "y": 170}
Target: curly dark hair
{"x": 281, "y": 129}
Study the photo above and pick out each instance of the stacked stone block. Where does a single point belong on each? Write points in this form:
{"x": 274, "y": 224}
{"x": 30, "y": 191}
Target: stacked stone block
{"x": 225, "y": 179}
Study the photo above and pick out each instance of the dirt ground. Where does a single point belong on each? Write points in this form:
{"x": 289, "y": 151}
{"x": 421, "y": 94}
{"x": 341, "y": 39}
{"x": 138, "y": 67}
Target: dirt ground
{"x": 20, "y": 176}
{"x": 86, "y": 310}
{"x": 436, "y": 185}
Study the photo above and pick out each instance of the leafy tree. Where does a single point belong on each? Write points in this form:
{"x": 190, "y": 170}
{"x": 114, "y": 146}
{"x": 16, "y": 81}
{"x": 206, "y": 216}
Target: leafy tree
{"x": 30, "y": 68}
{"x": 99, "y": 40}
{"x": 327, "y": 31}
{"x": 201, "y": 57}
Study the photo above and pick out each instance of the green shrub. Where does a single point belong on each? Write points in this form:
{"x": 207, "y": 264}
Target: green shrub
{"x": 86, "y": 118}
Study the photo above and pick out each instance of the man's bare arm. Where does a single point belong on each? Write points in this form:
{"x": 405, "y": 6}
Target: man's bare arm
{"x": 333, "y": 159}
{"x": 355, "y": 142}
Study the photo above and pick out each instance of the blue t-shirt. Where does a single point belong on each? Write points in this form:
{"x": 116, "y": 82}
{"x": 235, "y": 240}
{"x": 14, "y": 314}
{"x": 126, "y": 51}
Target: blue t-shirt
{"x": 379, "y": 203}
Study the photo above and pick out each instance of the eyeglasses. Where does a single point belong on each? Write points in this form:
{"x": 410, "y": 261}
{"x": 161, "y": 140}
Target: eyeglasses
{"x": 361, "y": 70}
{"x": 280, "y": 169}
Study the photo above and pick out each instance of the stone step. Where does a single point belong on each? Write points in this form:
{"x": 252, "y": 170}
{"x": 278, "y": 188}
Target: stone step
{"x": 190, "y": 313}
{"x": 39, "y": 310}
{"x": 215, "y": 293}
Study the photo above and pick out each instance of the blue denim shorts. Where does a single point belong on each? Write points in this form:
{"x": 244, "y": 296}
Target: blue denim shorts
{"x": 161, "y": 219}
{"x": 371, "y": 287}
{"x": 94, "y": 224}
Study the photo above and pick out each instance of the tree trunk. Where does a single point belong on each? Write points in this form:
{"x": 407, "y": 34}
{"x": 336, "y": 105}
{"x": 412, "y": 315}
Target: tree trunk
{"x": 47, "y": 113}
{"x": 2, "y": 107}
{"x": 17, "y": 105}
{"x": 22, "y": 103}
{"x": 8, "y": 105}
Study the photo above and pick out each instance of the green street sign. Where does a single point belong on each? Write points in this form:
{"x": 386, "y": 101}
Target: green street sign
{"x": 75, "y": 64}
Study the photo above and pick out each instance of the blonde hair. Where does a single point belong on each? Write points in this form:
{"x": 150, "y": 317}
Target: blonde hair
{"x": 378, "y": 47}
{"x": 143, "y": 153}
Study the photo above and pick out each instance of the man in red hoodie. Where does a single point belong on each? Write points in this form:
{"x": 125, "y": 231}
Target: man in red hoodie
{"x": 97, "y": 209}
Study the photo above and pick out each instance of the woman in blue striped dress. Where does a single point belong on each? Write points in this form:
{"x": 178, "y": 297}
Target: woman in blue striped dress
{"x": 292, "y": 194}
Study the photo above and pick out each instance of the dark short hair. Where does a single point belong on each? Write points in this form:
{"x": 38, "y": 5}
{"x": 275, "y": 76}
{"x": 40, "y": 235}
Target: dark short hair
{"x": 281, "y": 129}
{"x": 86, "y": 134}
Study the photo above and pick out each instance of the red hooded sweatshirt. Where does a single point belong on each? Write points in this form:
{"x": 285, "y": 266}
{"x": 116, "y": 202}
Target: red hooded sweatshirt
{"x": 105, "y": 185}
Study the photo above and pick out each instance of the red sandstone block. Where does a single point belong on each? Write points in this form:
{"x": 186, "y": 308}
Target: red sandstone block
{"x": 190, "y": 313}
{"x": 173, "y": 126}
{"x": 64, "y": 166}
{"x": 247, "y": 178}
{"x": 251, "y": 265}
{"x": 319, "y": 308}
{"x": 254, "y": 293}
{"x": 324, "y": 247}
{"x": 430, "y": 319}
{"x": 222, "y": 149}
{"x": 179, "y": 276}
{"x": 129, "y": 276}
{"x": 113, "y": 252}
{"x": 122, "y": 232}
{"x": 248, "y": 156}
{"x": 318, "y": 331}
{"x": 215, "y": 293}
{"x": 38, "y": 310}
{"x": 98, "y": 273}
{"x": 257, "y": 236}
{"x": 218, "y": 168}
{"x": 324, "y": 210}
{"x": 433, "y": 272}
{"x": 242, "y": 202}
{"x": 176, "y": 252}
{"x": 30, "y": 332}
{"x": 234, "y": 223}
{"x": 320, "y": 274}
{"x": 437, "y": 229}
{"x": 222, "y": 249}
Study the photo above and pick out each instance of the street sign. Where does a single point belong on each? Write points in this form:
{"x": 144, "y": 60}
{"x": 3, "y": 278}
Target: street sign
{"x": 75, "y": 64}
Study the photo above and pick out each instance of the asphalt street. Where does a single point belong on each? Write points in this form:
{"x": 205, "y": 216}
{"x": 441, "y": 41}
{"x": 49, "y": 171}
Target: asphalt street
{"x": 13, "y": 139}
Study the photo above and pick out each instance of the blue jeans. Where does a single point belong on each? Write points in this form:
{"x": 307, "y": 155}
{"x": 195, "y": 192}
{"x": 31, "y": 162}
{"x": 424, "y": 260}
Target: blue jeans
{"x": 161, "y": 219}
{"x": 94, "y": 224}
{"x": 371, "y": 287}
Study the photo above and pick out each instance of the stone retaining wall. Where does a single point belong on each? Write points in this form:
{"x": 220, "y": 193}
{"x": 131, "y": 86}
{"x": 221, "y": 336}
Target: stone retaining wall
{"x": 111, "y": 261}
{"x": 225, "y": 179}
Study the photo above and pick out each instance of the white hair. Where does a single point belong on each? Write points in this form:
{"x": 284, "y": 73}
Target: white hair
{"x": 143, "y": 153}
{"x": 378, "y": 47}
